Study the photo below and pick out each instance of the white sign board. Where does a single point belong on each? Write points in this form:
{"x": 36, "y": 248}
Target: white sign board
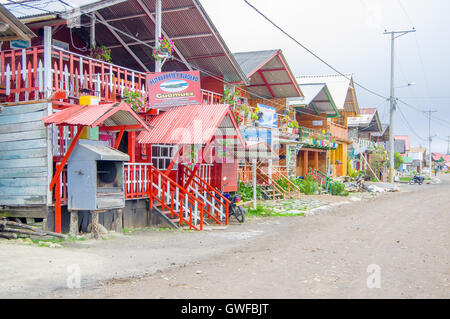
{"x": 317, "y": 123}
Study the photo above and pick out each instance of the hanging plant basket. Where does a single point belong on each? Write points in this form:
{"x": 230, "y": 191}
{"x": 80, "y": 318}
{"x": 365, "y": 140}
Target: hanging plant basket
{"x": 164, "y": 49}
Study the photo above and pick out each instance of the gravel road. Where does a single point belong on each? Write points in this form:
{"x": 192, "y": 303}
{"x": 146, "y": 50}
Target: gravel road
{"x": 403, "y": 236}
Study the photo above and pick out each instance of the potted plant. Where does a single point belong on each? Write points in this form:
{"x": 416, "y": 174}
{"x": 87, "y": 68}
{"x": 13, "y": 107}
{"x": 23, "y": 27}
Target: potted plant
{"x": 284, "y": 121}
{"x": 136, "y": 100}
{"x": 293, "y": 125}
{"x": 164, "y": 50}
{"x": 101, "y": 53}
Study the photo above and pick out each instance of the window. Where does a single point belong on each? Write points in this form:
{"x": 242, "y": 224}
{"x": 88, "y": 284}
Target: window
{"x": 162, "y": 155}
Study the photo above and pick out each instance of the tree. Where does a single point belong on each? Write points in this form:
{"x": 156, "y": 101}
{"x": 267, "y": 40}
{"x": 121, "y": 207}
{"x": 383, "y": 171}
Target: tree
{"x": 398, "y": 160}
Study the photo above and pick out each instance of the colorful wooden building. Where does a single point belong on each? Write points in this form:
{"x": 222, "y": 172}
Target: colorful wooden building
{"x": 343, "y": 94}
{"x": 56, "y": 70}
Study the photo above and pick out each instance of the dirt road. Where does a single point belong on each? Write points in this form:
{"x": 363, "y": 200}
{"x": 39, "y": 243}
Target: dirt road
{"x": 403, "y": 237}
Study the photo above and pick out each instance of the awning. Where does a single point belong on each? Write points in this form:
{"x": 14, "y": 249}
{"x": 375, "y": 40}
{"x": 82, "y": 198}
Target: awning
{"x": 191, "y": 124}
{"x": 111, "y": 116}
{"x": 341, "y": 88}
{"x": 11, "y": 28}
{"x": 270, "y": 75}
{"x": 317, "y": 99}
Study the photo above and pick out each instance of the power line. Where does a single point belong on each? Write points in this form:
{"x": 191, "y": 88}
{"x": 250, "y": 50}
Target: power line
{"x": 409, "y": 125}
{"x": 311, "y": 52}
{"x": 215, "y": 76}
{"x": 439, "y": 121}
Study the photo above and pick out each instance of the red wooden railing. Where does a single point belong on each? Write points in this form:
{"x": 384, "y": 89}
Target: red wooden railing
{"x": 22, "y": 74}
{"x": 209, "y": 97}
{"x": 62, "y": 185}
{"x": 337, "y": 130}
{"x": 143, "y": 180}
{"x": 217, "y": 205}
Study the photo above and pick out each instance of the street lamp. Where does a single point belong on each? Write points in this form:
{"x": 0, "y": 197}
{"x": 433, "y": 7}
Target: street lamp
{"x": 408, "y": 85}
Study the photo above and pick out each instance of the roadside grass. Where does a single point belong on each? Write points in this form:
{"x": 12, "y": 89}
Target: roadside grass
{"x": 268, "y": 211}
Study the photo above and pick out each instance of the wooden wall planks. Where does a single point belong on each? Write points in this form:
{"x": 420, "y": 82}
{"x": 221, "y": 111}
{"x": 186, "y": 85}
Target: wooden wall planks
{"x": 23, "y": 155}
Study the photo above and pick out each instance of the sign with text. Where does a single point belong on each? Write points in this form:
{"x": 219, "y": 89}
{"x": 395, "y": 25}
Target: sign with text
{"x": 268, "y": 117}
{"x": 174, "y": 89}
{"x": 19, "y": 44}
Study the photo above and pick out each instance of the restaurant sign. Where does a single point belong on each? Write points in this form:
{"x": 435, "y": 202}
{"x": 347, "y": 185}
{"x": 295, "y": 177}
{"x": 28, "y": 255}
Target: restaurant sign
{"x": 174, "y": 89}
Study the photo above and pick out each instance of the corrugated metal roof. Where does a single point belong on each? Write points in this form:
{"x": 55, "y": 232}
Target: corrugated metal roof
{"x": 270, "y": 75}
{"x": 316, "y": 97}
{"x": 251, "y": 61}
{"x": 14, "y": 28}
{"x": 341, "y": 89}
{"x": 185, "y": 21}
{"x": 117, "y": 114}
{"x": 190, "y": 124}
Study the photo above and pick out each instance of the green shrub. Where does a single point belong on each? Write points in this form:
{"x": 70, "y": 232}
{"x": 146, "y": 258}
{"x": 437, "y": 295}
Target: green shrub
{"x": 246, "y": 192}
{"x": 309, "y": 185}
{"x": 337, "y": 189}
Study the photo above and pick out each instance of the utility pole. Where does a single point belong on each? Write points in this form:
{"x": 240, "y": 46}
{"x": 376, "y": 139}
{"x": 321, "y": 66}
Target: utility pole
{"x": 158, "y": 63}
{"x": 448, "y": 145}
{"x": 430, "y": 138}
{"x": 394, "y": 35}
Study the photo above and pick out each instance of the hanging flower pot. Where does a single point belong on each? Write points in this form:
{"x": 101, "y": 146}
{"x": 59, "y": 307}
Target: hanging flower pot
{"x": 163, "y": 50}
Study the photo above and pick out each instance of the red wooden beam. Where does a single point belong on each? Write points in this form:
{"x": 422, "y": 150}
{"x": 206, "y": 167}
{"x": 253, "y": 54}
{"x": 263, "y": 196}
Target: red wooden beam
{"x": 120, "y": 127}
{"x": 119, "y": 139}
{"x": 294, "y": 82}
{"x": 271, "y": 84}
{"x": 174, "y": 159}
{"x": 60, "y": 167}
{"x": 132, "y": 146}
{"x": 272, "y": 70}
{"x": 191, "y": 177}
{"x": 267, "y": 83}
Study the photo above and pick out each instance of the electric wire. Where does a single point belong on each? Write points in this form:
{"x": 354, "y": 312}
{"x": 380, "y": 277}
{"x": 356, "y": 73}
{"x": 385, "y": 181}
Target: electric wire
{"x": 312, "y": 53}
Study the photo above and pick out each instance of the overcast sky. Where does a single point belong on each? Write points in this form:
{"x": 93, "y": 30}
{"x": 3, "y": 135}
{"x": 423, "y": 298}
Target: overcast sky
{"x": 349, "y": 35}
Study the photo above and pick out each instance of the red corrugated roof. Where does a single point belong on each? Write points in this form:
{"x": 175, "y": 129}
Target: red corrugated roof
{"x": 437, "y": 157}
{"x": 116, "y": 114}
{"x": 190, "y": 124}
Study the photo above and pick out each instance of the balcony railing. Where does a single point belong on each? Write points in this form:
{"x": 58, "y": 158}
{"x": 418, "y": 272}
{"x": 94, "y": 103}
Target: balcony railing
{"x": 22, "y": 75}
{"x": 316, "y": 139}
{"x": 337, "y": 130}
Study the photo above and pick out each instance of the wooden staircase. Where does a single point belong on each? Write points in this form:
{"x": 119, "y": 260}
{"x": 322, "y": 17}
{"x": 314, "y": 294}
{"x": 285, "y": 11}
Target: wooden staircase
{"x": 216, "y": 204}
{"x": 270, "y": 189}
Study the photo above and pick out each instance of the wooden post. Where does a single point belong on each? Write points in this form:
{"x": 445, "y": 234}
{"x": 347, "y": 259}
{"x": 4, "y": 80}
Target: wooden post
{"x": 94, "y": 224}
{"x": 92, "y": 38}
{"x": 73, "y": 223}
{"x": 254, "y": 182}
{"x": 316, "y": 160}
{"x": 58, "y": 206}
{"x": 270, "y": 168}
{"x": 118, "y": 221}
{"x": 47, "y": 92}
{"x": 305, "y": 163}
{"x": 132, "y": 146}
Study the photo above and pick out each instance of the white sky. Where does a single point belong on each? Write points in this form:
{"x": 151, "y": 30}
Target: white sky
{"x": 349, "y": 35}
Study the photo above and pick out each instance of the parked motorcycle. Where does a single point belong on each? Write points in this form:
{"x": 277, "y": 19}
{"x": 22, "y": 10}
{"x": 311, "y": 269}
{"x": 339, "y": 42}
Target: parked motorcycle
{"x": 416, "y": 180}
{"x": 235, "y": 209}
